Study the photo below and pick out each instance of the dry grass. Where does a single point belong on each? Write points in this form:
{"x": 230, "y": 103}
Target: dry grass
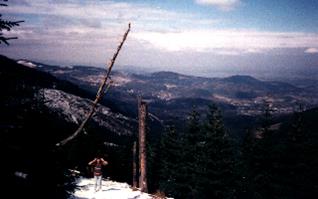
{"x": 159, "y": 195}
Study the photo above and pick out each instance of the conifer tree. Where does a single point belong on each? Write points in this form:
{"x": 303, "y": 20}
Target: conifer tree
{"x": 248, "y": 148}
{"x": 201, "y": 162}
{"x": 299, "y": 161}
{"x": 263, "y": 160}
{"x": 218, "y": 161}
{"x": 170, "y": 162}
{"x": 6, "y": 25}
{"x": 179, "y": 154}
{"x": 191, "y": 140}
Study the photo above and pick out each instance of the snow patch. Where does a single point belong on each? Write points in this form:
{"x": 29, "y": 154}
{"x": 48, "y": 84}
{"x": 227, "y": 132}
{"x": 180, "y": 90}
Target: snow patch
{"x": 164, "y": 95}
{"x": 68, "y": 67}
{"x": 120, "y": 80}
{"x": 110, "y": 189}
{"x": 21, "y": 174}
{"x": 74, "y": 119}
{"x": 26, "y": 63}
{"x": 74, "y": 109}
{"x": 170, "y": 86}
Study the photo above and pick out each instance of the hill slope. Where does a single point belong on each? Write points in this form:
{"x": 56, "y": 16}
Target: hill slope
{"x": 37, "y": 111}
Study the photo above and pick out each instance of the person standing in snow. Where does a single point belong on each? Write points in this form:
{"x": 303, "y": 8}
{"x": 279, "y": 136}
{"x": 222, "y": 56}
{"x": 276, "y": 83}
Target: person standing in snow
{"x": 98, "y": 162}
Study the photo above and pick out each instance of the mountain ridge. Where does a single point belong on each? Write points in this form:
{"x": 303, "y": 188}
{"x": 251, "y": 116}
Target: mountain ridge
{"x": 246, "y": 93}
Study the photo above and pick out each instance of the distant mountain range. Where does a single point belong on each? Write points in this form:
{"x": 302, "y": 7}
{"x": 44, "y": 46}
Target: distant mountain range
{"x": 171, "y": 97}
{"x": 236, "y": 95}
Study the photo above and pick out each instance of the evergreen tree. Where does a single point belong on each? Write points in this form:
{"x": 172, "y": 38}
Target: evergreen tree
{"x": 218, "y": 159}
{"x": 171, "y": 148}
{"x": 280, "y": 164}
{"x": 248, "y": 149}
{"x": 265, "y": 156}
{"x": 191, "y": 140}
{"x": 261, "y": 156}
{"x": 6, "y": 25}
{"x": 153, "y": 164}
{"x": 299, "y": 162}
{"x": 179, "y": 155}
{"x": 201, "y": 162}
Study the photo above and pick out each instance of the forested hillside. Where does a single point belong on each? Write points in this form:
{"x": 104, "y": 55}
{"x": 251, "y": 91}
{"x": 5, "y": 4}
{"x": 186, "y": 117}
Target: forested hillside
{"x": 200, "y": 158}
{"x": 33, "y": 120}
{"x": 273, "y": 161}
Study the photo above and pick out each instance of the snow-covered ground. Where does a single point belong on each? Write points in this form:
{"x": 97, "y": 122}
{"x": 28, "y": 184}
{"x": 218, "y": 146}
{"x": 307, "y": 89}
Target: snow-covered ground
{"x": 110, "y": 190}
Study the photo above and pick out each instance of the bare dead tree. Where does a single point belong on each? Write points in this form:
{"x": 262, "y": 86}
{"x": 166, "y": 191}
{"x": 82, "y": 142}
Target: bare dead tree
{"x": 142, "y": 114}
{"x": 135, "y": 165}
{"x": 101, "y": 91}
{"x": 154, "y": 117}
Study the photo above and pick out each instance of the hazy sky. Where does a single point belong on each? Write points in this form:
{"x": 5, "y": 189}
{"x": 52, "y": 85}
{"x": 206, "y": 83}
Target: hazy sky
{"x": 202, "y": 36}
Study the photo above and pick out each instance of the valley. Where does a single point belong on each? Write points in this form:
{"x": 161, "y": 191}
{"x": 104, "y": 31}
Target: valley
{"x": 236, "y": 95}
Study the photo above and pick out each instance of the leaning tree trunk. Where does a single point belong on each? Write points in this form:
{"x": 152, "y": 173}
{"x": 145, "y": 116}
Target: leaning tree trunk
{"x": 100, "y": 92}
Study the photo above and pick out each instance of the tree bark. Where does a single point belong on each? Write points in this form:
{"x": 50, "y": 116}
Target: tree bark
{"x": 135, "y": 165}
{"x": 142, "y": 146}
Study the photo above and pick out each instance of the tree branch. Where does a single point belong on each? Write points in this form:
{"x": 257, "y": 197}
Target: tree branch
{"x": 101, "y": 91}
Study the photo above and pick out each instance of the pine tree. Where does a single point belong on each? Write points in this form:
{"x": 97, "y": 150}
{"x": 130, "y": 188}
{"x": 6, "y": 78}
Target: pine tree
{"x": 179, "y": 175}
{"x": 299, "y": 161}
{"x": 280, "y": 164}
{"x": 218, "y": 161}
{"x": 171, "y": 149}
{"x": 6, "y": 25}
{"x": 261, "y": 159}
{"x": 200, "y": 162}
{"x": 188, "y": 166}
{"x": 247, "y": 161}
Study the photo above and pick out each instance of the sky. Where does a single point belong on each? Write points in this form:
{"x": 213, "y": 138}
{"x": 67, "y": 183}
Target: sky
{"x": 200, "y": 37}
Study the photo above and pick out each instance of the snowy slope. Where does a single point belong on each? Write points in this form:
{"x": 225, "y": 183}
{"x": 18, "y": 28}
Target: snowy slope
{"x": 74, "y": 109}
{"x": 110, "y": 189}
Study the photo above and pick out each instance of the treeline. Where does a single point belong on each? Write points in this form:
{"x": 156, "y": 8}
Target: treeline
{"x": 273, "y": 161}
